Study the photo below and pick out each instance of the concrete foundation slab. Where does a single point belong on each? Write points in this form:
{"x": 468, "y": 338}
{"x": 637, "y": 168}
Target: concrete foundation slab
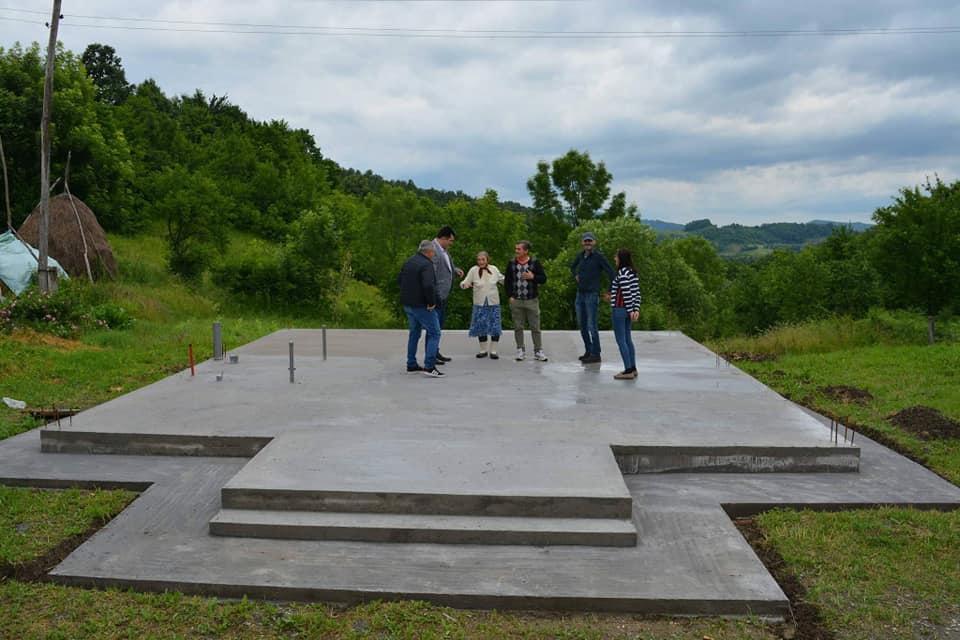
{"x": 688, "y": 557}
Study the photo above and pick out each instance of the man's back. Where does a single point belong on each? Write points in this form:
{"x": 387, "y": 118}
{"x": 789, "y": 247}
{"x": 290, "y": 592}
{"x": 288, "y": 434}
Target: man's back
{"x": 418, "y": 286}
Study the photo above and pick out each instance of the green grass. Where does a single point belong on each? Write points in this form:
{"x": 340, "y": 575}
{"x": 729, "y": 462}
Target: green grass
{"x": 33, "y": 521}
{"x": 880, "y": 327}
{"x": 896, "y": 376}
{"x": 36, "y": 610}
{"x": 885, "y": 573}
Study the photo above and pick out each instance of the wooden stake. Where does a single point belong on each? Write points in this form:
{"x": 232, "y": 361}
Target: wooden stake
{"x": 193, "y": 369}
{"x": 44, "y": 277}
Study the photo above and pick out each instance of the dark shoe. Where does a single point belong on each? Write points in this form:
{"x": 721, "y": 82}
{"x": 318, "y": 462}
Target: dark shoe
{"x": 441, "y": 362}
{"x": 433, "y": 373}
{"x": 443, "y": 359}
{"x": 591, "y": 359}
{"x": 482, "y": 354}
{"x": 416, "y": 369}
{"x": 583, "y": 357}
{"x": 494, "y": 356}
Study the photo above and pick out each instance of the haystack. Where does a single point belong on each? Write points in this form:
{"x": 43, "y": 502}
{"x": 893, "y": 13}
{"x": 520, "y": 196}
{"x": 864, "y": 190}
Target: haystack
{"x": 66, "y": 243}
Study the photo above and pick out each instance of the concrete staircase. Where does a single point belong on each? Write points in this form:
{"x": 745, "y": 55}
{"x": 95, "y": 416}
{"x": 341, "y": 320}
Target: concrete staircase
{"x": 465, "y": 492}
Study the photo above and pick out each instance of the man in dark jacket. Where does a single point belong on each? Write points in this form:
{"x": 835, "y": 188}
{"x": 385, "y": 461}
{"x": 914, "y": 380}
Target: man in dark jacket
{"x": 418, "y": 295}
{"x": 587, "y": 268}
{"x": 524, "y": 276}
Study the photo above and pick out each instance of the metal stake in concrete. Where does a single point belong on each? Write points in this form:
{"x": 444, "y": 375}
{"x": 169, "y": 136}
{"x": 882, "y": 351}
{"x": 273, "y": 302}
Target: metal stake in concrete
{"x": 217, "y": 341}
{"x": 292, "y": 368}
{"x": 324, "y": 334}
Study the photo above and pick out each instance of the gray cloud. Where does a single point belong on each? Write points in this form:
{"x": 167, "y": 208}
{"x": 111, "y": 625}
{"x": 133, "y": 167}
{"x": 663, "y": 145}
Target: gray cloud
{"x": 735, "y": 129}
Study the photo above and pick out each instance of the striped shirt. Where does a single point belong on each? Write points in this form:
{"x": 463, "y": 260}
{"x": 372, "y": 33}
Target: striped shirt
{"x": 625, "y": 290}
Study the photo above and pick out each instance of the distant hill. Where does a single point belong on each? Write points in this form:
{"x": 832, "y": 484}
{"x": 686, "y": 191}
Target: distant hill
{"x": 854, "y": 226}
{"x": 661, "y": 225}
{"x": 737, "y": 240}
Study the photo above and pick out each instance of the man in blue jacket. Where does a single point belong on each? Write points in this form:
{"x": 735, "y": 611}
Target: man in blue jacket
{"x": 418, "y": 295}
{"x": 587, "y": 269}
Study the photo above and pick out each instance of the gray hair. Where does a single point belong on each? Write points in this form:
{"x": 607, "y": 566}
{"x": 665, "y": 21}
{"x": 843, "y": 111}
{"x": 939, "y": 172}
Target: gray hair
{"x": 485, "y": 255}
{"x": 425, "y": 245}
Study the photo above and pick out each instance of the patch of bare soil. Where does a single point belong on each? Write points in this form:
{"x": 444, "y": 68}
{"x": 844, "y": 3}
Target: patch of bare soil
{"x": 926, "y": 423}
{"x": 747, "y": 356}
{"x": 807, "y": 623}
{"x": 847, "y": 395}
{"x": 31, "y": 337}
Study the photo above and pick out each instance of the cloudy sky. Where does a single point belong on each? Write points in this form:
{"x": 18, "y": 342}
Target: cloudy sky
{"x": 737, "y": 126}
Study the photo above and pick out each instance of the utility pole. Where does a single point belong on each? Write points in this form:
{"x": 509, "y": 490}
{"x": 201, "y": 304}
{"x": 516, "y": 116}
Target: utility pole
{"x": 46, "y": 277}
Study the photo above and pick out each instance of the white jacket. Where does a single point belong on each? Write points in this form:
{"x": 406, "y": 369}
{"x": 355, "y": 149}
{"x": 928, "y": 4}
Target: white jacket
{"x": 485, "y": 288}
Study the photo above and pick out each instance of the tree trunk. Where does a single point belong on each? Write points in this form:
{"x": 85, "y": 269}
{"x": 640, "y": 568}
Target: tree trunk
{"x": 930, "y": 326}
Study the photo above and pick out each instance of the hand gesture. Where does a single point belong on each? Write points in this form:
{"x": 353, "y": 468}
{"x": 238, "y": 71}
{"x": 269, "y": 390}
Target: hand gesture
{"x": 634, "y": 316}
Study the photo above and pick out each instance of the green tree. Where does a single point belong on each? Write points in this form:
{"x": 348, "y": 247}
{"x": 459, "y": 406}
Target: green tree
{"x": 105, "y": 69}
{"x": 574, "y": 188}
{"x": 190, "y": 206}
{"x": 917, "y": 248}
{"x": 101, "y": 170}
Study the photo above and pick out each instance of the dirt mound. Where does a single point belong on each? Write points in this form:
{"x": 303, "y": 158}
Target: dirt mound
{"x": 926, "y": 423}
{"x": 846, "y": 394}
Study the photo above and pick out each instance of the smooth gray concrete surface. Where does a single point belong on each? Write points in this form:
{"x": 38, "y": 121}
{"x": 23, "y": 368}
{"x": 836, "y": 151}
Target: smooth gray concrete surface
{"x": 688, "y": 559}
{"x": 681, "y": 398}
{"x": 343, "y": 470}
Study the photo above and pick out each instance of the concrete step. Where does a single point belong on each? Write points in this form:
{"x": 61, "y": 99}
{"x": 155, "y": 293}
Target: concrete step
{"x": 440, "y": 504}
{"x": 379, "y": 527}
{"x": 335, "y": 470}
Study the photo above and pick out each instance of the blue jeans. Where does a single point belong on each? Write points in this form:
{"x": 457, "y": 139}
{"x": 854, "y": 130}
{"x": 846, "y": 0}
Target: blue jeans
{"x": 621, "y": 330}
{"x": 587, "y": 305}
{"x": 420, "y": 319}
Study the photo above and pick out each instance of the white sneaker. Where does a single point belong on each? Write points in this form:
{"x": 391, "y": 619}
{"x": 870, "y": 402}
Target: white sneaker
{"x": 520, "y": 355}
{"x": 539, "y": 355}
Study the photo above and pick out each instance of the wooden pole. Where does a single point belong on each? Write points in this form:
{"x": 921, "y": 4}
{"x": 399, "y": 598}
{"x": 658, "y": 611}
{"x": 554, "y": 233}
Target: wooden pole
{"x": 6, "y": 186}
{"x": 47, "y": 280}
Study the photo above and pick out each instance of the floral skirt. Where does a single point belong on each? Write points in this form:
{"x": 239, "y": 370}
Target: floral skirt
{"x": 485, "y": 321}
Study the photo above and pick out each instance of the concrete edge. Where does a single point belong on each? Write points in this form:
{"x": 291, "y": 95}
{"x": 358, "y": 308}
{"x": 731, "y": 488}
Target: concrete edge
{"x": 150, "y": 444}
{"x": 750, "y": 509}
{"x": 777, "y": 609}
{"x": 410, "y": 535}
{"x": 58, "y": 483}
{"x": 428, "y": 503}
{"x": 635, "y": 459}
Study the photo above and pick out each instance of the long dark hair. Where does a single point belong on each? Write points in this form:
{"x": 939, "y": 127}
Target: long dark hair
{"x": 625, "y": 259}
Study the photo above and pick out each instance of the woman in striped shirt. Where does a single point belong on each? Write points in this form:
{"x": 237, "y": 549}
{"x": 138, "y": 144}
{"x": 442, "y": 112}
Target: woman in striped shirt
{"x": 625, "y": 300}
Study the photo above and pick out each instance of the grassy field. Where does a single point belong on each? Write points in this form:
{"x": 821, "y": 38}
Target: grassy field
{"x": 883, "y": 573}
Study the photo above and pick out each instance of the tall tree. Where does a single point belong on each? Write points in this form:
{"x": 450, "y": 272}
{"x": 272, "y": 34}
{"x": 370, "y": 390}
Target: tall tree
{"x": 917, "y": 248}
{"x": 574, "y": 188}
{"x": 105, "y": 68}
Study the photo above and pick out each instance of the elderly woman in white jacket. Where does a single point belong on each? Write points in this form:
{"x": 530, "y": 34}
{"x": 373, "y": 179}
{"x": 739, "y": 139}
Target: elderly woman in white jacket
{"x": 485, "y": 322}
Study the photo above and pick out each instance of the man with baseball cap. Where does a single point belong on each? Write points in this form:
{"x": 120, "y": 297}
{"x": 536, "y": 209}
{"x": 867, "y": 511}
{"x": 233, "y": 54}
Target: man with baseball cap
{"x": 587, "y": 269}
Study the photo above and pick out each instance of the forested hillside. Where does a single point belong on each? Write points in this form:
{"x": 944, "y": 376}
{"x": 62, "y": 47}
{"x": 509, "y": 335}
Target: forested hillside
{"x": 197, "y": 171}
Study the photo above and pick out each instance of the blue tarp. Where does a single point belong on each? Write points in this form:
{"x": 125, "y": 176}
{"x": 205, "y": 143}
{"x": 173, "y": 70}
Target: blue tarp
{"x": 17, "y": 264}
